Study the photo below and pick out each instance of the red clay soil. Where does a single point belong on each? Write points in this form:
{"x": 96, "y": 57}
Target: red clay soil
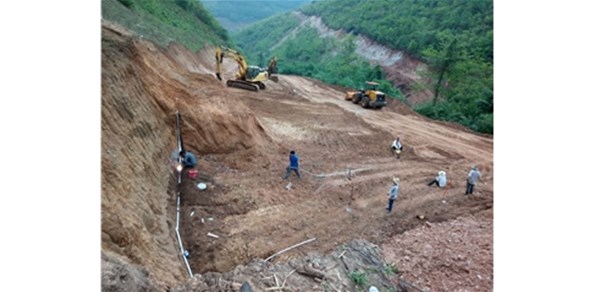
{"x": 456, "y": 255}
{"x": 243, "y": 139}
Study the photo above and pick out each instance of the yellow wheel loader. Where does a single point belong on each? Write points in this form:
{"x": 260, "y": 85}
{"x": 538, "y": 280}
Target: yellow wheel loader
{"x": 369, "y": 98}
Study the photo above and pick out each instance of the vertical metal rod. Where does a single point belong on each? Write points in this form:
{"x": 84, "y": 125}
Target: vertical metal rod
{"x": 180, "y": 142}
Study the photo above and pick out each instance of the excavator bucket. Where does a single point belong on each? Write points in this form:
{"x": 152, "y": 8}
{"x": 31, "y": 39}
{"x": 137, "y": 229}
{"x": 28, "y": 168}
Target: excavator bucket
{"x": 219, "y": 76}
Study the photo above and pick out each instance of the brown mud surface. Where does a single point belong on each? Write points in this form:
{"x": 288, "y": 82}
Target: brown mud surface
{"x": 242, "y": 140}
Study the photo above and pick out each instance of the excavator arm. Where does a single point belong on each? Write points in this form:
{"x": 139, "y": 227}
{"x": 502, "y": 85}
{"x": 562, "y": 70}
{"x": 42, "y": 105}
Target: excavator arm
{"x": 243, "y": 66}
{"x": 219, "y": 57}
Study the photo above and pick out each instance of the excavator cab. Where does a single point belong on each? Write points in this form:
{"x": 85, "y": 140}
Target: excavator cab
{"x": 253, "y": 72}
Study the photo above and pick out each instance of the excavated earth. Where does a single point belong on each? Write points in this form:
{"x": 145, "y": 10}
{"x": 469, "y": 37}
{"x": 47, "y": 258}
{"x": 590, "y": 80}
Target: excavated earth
{"x": 438, "y": 240}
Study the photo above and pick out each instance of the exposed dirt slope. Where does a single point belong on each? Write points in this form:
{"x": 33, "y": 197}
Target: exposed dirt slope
{"x": 142, "y": 86}
{"x": 242, "y": 140}
{"x": 449, "y": 256}
{"x": 402, "y": 69}
{"x": 136, "y": 217}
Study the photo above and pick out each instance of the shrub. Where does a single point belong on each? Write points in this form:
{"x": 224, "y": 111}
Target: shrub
{"x": 127, "y": 3}
{"x": 359, "y": 278}
{"x": 391, "y": 269}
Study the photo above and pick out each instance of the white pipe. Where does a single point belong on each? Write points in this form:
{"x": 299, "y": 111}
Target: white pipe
{"x": 178, "y": 199}
{"x": 181, "y": 246}
{"x": 289, "y": 248}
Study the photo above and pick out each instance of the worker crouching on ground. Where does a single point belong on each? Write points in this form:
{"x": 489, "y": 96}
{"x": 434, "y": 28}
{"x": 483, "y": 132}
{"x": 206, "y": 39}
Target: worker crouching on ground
{"x": 188, "y": 159}
{"x": 293, "y": 165}
{"x": 393, "y": 193}
{"x": 441, "y": 180}
{"x": 473, "y": 177}
{"x": 396, "y": 147}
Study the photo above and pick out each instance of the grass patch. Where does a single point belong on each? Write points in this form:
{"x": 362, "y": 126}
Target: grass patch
{"x": 164, "y": 22}
{"x": 391, "y": 269}
{"x": 360, "y": 278}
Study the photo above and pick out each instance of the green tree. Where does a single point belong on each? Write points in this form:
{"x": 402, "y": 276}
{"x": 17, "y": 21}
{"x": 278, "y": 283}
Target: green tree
{"x": 454, "y": 37}
{"x": 441, "y": 60}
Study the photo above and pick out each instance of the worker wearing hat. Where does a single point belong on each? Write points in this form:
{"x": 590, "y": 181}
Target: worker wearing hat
{"x": 393, "y": 193}
{"x": 440, "y": 180}
{"x": 397, "y": 147}
{"x": 473, "y": 177}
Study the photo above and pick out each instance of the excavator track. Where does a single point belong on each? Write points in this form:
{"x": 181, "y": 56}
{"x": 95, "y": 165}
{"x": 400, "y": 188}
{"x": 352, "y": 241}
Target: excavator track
{"x": 242, "y": 84}
{"x": 260, "y": 84}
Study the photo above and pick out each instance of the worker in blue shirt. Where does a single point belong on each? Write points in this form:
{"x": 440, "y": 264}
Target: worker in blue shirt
{"x": 293, "y": 165}
{"x": 188, "y": 159}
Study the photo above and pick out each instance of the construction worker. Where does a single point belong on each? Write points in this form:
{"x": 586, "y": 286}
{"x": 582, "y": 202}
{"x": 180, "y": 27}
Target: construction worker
{"x": 272, "y": 66}
{"x": 293, "y": 165}
{"x": 393, "y": 193}
{"x": 396, "y": 147}
{"x": 440, "y": 180}
{"x": 188, "y": 159}
{"x": 473, "y": 177}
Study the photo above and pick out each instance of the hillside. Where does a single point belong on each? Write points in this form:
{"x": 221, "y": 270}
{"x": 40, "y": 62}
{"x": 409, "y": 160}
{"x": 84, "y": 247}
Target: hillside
{"x": 180, "y": 21}
{"x": 234, "y": 15}
{"x": 435, "y": 55}
{"x": 242, "y": 140}
{"x": 306, "y": 47}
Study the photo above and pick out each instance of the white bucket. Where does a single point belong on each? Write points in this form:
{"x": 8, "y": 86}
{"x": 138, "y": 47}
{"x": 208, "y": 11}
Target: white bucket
{"x": 201, "y": 186}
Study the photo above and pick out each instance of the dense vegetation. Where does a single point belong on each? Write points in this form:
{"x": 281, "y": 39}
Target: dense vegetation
{"x": 182, "y": 21}
{"x": 454, "y": 37}
{"x": 413, "y": 25}
{"x": 305, "y": 53}
{"x": 234, "y": 15}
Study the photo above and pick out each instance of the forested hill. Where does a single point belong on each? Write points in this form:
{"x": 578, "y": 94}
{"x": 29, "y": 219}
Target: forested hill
{"x": 414, "y": 25}
{"x": 164, "y": 21}
{"x": 453, "y": 37}
{"x": 234, "y": 15}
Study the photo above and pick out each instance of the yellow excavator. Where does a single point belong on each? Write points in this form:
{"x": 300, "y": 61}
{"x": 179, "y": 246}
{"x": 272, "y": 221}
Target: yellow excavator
{"x": 246, "y": 77}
